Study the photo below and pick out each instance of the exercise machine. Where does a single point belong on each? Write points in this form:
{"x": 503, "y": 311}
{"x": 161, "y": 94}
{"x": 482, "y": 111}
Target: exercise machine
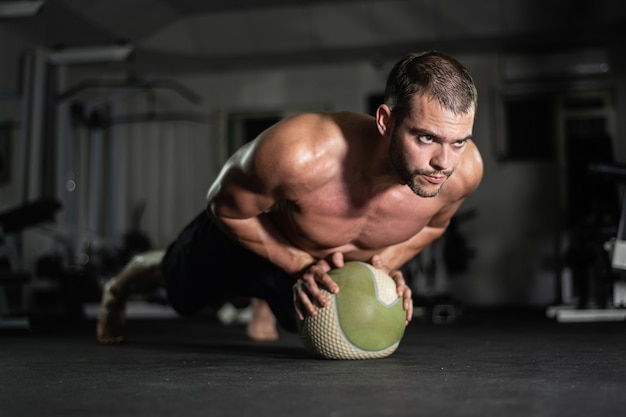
{"x": 601, "y": 263}
{"x": 13, "y": 277}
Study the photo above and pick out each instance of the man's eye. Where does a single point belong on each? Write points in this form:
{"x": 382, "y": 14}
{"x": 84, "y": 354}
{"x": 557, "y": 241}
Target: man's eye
{"x": 425, "y": 139}
{"x": 460, "y": 143}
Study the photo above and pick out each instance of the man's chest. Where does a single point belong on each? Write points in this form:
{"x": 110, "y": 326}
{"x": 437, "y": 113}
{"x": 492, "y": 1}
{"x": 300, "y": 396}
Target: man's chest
{"x": 335, "y": 219}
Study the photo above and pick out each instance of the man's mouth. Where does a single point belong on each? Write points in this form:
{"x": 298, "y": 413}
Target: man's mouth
{"x": 435, "y": 179}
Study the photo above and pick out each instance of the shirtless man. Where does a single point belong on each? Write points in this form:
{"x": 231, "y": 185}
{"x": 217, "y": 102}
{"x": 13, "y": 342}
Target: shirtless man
{"x": 314, "y": 191}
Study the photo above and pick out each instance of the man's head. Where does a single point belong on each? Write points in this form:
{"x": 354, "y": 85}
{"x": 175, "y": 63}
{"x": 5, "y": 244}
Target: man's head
{"x": 433, "y": 75}
{"x": 428, "y": 115}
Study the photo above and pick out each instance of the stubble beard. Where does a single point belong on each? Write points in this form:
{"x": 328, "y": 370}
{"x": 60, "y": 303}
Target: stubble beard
{"x": 411, "y": 178}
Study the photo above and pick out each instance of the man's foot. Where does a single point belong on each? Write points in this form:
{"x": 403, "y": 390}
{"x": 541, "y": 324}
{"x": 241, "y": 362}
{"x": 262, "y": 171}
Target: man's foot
{"x": 111, "y": 328}
{"x": 262, "y": 327}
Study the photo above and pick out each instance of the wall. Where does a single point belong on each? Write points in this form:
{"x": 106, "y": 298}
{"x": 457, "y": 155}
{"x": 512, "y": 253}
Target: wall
{"x": 12, "y": 47}
{"x": 170, "y": 166}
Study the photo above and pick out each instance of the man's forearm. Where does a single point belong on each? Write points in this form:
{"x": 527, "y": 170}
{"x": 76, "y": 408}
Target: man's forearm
{"x": 261, "y": 236}
{"x": 397, "y": 255}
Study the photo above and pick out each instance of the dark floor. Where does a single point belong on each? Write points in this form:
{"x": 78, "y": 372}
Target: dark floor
{"x": 487, "y": 364}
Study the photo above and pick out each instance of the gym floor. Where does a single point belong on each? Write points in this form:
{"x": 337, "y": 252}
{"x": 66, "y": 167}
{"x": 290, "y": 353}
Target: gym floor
{"x": 486, "y": 364}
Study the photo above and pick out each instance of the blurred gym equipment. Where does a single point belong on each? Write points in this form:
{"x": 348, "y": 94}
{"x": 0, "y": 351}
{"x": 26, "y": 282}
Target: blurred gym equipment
{"x": 431, "y": 273}
{"x": 13, "y": 278}
{"x": 597, "y": 259}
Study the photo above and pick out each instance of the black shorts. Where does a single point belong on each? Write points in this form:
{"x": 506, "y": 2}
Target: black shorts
{"x": 205, "y": 267}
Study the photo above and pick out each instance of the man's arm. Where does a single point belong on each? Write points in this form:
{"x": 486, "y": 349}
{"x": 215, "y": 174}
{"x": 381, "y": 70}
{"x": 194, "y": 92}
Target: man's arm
{"x": 287, "y": 162}
{"x": 393, "y": 257}
{"x": 248, "y": 186}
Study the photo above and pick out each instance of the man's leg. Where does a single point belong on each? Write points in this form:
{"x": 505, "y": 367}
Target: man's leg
{"x": 203, "y": 266}
{"x": 142, "y": 274}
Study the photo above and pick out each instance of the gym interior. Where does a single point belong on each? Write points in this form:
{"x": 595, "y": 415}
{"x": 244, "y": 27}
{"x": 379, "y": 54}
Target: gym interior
{"x": 116, "y": 116}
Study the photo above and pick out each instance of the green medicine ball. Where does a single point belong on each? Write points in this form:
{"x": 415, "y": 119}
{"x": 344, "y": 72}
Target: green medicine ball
{"x": 365, "y": 320}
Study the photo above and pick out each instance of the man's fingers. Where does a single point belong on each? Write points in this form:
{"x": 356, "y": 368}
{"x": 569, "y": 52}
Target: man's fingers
{"x": 304, "y": 305}
{"x": 408, "y": 304}
{"x": 318, "y": 277}
{"x": 337, "y": 260}
{"x": 405, "y": 292}
{"x": 307, "y": 292}
{"x": 399, "y": 280}
{"x": 325, "y": 281}
{"x": 377, "y": 263}
{"x": 312, "y": 282}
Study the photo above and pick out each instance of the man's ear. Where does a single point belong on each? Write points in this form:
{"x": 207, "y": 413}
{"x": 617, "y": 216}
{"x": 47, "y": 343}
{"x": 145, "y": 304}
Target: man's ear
{"x": 383, "y": 119}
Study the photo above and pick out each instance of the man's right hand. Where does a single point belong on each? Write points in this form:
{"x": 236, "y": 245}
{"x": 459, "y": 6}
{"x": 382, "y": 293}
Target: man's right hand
{"x": 307, "y": 294}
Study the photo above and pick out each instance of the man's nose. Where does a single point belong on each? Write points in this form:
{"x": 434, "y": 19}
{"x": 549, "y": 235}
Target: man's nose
{"x": 441, "y": 159}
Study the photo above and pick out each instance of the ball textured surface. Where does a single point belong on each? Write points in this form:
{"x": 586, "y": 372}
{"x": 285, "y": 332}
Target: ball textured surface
{"x": 364, "y": 320}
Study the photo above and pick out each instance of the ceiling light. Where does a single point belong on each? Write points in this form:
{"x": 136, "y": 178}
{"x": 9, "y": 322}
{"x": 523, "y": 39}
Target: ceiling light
{"x": 13, "y": 9}
{"x": 90, "y": 54}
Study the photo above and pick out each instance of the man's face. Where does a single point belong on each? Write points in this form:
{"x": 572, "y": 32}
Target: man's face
{"x": 427, "y": 145}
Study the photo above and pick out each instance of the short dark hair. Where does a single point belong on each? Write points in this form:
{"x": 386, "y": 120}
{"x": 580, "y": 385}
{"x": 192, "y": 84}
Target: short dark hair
{"x": 431, "y": 74}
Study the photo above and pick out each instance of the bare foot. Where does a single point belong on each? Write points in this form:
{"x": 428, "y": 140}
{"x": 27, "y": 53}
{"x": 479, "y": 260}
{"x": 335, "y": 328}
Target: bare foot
{"x": 112, "y": 317}
{"x": 262, "y": 327}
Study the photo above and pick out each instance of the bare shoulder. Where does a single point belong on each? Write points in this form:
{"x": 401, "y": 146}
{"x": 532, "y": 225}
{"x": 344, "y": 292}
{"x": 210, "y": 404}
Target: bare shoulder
{"x": 468, "y": 174}
{"x": 300, "y": 150}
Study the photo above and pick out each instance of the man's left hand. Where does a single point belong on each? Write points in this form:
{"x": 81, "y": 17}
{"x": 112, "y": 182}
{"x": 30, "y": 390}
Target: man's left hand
{"x": 403, "y": 290}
